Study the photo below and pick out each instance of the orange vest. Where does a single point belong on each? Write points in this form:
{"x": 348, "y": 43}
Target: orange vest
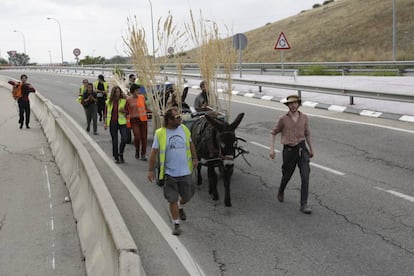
{"x": 140, "y": 112}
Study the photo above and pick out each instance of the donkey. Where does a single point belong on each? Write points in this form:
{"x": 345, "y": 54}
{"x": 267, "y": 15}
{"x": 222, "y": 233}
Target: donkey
{"x": 216, "y": 144}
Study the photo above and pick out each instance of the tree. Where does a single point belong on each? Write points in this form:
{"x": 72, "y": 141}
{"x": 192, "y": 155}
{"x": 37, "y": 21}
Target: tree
{"x": 92, "y": 60}
{"x": 3, "y": 61}
{"x": 19, "y": 59}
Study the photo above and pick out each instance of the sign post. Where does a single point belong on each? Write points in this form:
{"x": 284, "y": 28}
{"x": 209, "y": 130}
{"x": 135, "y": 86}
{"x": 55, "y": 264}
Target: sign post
{"x": 282, "y": 44}
{"x": 77, "y": 52}
{"x": 239, "y": 43}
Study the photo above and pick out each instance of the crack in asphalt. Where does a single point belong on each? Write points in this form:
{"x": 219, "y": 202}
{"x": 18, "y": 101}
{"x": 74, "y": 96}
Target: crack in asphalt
{"x": 362, "y": 228}
{"x": 33, "y": 156}
{"x": 255, "y": 175}
{"x": 222, "y": 266}
{"x": 366, "y": 155}
{"x": 279, "y": 269}
{"x": 2, "y": 221}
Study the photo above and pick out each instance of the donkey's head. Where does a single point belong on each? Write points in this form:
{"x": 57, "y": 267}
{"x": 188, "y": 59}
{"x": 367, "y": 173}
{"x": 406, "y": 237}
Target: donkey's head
{"x": 226, "y": 138}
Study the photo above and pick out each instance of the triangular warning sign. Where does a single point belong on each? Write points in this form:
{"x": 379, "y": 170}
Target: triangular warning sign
{"x": 282, "y": 43}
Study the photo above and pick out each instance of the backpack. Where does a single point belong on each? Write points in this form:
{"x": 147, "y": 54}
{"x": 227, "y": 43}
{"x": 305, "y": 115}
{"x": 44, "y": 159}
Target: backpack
{"x": 17, "y": 91}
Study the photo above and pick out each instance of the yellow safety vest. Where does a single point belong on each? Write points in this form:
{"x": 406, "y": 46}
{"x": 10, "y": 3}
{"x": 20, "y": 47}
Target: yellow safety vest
{"x": 82, "y": 89}
{"x": 95, "y": 86}
{"x": 121, "y": 116}
{"x": 162, "y": 142}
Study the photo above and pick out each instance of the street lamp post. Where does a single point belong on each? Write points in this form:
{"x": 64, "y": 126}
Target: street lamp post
{"x": 394, "y": 51}
{"x": 60, "y": 35}
{"x": 24, "y": 39}
{"x": 152, "y": 28}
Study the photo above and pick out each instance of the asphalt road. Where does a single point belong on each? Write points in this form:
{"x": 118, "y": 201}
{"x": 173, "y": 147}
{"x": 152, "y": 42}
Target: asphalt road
{"x": 361, "y": 192}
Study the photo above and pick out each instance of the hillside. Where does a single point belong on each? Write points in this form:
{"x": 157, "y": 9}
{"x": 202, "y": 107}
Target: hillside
{"x": 343, "y": 30}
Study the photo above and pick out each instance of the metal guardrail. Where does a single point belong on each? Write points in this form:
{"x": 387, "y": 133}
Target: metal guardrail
{"x": 280, "y": 85}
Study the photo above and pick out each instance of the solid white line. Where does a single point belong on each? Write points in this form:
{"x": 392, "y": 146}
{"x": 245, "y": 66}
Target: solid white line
{"x": 175, "y": 244}
{"x": 401, "y": 195}
{"x": 52, "y": 220}
{"x": 311, "y": 163}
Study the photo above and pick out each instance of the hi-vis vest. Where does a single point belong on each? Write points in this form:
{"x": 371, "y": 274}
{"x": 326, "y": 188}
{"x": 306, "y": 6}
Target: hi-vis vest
{"x": 162, "y": 141}
{"x": 82, "y": 89}
{"x": 95, "y": 86}
{"x": 121, "y": 116}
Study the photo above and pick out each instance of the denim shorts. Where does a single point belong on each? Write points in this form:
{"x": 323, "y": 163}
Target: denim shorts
{"x": 178, "y": 186}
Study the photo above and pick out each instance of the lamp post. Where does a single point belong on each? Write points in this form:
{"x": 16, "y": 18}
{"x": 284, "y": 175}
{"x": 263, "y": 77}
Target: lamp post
{"x": 60, "y": 35}
{"x": 394, "y": 51}
{"x": 24, "y": 39}
{"x": 152, "y": 28}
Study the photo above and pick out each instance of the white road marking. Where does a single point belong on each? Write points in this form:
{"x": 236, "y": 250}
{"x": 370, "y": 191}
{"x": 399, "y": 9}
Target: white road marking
{"x": 329, "y": 118}
{"x": 311, "y": 163}
{"x": 401, "y": 195}
{"x": 52, "y": 220}
{"x": 262, "y": 146}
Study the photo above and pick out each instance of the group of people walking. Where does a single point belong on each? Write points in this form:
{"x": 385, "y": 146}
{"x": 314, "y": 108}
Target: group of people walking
{"x": 118, "y": 112}
{"x": 172, "y": 143}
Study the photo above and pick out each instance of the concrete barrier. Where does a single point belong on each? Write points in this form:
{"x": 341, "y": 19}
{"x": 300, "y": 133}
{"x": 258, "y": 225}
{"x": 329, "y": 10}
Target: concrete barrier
{"x": 106, "y": 243}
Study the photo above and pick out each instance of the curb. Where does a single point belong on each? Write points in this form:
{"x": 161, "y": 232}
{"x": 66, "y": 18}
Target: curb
{"x": 332, "y": 107}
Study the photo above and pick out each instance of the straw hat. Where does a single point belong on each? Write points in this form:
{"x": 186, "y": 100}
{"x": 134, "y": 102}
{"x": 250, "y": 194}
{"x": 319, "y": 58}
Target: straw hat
{"x": 292, "y": 99}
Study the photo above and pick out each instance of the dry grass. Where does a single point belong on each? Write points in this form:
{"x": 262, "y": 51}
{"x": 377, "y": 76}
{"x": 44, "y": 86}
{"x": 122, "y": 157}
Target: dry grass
{"x": 212, "y": 55}
{"x": 344, "y": 30}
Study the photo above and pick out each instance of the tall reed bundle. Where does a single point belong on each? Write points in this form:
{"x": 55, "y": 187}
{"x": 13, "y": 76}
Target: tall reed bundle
{"x": 136, "y": 48}
{"x": 170, "y": 36}
{"x": 213, "y": 53}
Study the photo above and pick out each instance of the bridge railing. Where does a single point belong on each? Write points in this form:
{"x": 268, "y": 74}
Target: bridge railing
{"x": 351, "y": 93}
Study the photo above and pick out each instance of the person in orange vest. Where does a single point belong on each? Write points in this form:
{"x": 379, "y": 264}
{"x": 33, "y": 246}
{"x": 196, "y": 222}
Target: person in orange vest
{"x": 137, "y": 115}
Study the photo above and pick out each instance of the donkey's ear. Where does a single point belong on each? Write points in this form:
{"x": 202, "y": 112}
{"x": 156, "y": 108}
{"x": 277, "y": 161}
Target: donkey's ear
{"x": 237, "y": 121}
{"x": 216, "y": 123}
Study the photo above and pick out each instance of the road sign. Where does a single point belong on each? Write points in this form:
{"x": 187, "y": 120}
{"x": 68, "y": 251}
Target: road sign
{"x": 282, "y": 43}
{"x": 239, "y": 41}
{"x": 170, "y": 50}
{"x": 76, "y": 52}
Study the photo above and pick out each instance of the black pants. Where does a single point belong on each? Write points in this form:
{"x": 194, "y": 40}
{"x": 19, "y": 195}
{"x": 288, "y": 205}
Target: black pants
{"x": 24, "y": 107}
{"x": 101, "y": 106}
{"x": 113, "y": 128}
{"x": 292, "y": 157}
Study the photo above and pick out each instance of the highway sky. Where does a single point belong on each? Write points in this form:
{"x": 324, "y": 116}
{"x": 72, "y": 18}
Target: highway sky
{"x": 96, "y": 27}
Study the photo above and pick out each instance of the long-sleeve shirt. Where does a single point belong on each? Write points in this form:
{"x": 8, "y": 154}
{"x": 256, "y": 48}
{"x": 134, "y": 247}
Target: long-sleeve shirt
{"x": 26, "y": 90}
{"x": 292, "y": 132}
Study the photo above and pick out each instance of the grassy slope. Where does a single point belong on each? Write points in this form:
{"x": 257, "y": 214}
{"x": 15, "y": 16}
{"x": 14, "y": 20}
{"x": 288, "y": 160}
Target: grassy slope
{"x": 344, "y": 30}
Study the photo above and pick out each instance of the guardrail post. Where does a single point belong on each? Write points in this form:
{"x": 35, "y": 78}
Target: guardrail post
{"x": 351, "y": 100}
{"x": 300, "y": 94}
{"x": 260, "y": 89}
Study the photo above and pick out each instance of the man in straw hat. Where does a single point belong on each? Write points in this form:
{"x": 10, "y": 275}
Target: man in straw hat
{"x": 294, "y": 128}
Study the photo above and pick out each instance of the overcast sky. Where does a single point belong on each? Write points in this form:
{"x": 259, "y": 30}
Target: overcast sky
{"x": 96, "y": 27}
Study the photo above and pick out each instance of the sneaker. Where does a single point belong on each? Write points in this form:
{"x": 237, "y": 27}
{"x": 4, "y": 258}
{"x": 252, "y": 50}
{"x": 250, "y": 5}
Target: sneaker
{"x": 176, "y": 230}
{"x": 95, "y": 133}
{"x": 143, "y": 158}
{"x": 305, "y": 209}
{"x": 117, "y": 161}
{"x": 136, "y": 155}
{"x": 27, "y": 126}
{"x": 88, "y": 129}
{"x": 280, "y": 196}
{"x": 181, "y": 213}
{"x": 21, "y": 125}
{"x": 121, "y": 159}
